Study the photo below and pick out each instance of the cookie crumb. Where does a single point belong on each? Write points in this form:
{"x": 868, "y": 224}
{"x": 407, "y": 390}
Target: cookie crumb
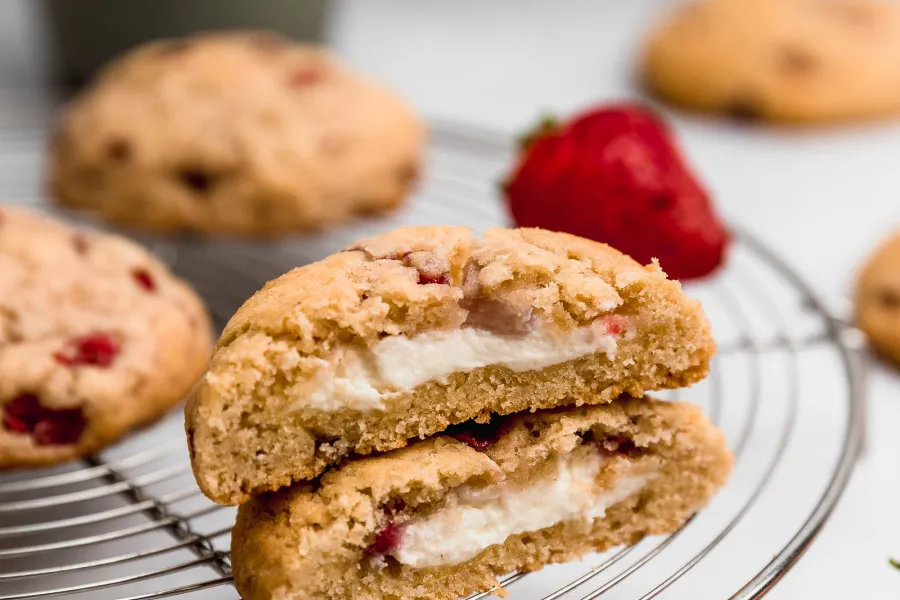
{"x": 96, "y": 350}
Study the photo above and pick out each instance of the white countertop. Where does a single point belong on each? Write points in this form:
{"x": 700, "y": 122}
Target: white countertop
{"x": 822, "y": 198}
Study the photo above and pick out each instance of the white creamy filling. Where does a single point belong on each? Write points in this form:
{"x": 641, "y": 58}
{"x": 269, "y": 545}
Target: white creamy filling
{"x": 363, "y": 380}
{"x": 459, "y": 533}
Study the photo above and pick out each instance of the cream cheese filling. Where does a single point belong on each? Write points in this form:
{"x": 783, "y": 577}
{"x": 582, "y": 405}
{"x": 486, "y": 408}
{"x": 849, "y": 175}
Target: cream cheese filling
{"x": 364, "y": 379}
{"x": 481, "y": 519}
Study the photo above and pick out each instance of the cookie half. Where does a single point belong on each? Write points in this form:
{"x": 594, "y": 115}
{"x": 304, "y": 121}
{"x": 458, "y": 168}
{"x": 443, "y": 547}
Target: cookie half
{"x": 796, "y": 61}
{"x": 878, "y": 298}
{"x": 444, "y": 518}
{"x": 414, "y": 330}
{"x": 96, "y": 338}
{"x": 243, "y": 133}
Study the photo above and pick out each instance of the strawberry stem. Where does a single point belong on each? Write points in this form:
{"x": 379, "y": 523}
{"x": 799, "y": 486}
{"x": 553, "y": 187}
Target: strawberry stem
{"x": 548, "y": 125}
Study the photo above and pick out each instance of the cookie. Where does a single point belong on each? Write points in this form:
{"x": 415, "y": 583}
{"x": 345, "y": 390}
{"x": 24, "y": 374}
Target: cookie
{"x": 417, "y": 329}
{"x": 96, "y": 338}
{"x": 443, "y": 518}
{"x": 243, "y": 134}
{"x": 878, "y": 298}
{"x": 799, "y": 61}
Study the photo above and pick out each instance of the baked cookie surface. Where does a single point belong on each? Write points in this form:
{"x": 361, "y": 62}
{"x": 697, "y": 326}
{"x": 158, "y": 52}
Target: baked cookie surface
{"x": 780, "y": 60}
{"x": 446, "y": 516}
{"x": 878, "y": 298}
{"x": 420, "y": 328}
{"x": 96, "y": 338}
{"x": 233, "y": 134}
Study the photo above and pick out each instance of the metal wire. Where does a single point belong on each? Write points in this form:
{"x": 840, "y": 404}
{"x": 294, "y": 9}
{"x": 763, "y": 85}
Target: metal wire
{"x": 84, "y": 474}
{"x": 136, "y": 527}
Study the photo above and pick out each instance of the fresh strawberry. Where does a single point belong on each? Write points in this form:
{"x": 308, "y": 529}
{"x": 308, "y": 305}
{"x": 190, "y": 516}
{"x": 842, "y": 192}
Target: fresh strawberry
{"x": 615, "y": 175}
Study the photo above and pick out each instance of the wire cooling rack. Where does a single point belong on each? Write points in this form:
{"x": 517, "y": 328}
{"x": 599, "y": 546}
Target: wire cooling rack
{"x": 786, "y": 388}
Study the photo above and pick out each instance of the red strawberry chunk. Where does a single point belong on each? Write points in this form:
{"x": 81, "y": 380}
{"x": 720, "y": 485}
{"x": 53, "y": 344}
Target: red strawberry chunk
{"x": 478, "y": 436}
{"x": 472, "y": 441}
{"x": 96, "y": 350}
{"x": 25, "y": 414}
{"x": 20, "y": 415}
{"x": 144, "y": 279}
{"x": 426, "y": 278}
{"x": 60, "y": 428}
{"x": 430, "y": 267}
{"x": 614, "y": 324}
{"x": 387, "y": 540}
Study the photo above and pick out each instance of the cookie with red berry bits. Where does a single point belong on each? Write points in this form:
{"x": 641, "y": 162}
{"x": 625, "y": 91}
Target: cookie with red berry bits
{"x": 239, "y": 134}
{"x": 417, "y": 329}
{"x": 441, "y": 519}
{"x": 790, "y": 61}
{"x": 96, "y": 338}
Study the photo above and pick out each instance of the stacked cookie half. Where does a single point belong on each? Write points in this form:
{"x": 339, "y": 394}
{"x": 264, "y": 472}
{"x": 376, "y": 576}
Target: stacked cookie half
{"x": 426, "y": 411}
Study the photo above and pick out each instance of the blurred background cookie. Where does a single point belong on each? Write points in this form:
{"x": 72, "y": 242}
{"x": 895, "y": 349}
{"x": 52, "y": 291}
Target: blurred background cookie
{"x": 878, "y": 298}
{"x": 233, "y": 134}
{"x": 779, "y": 60}
{"x": 96, "y": 338}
